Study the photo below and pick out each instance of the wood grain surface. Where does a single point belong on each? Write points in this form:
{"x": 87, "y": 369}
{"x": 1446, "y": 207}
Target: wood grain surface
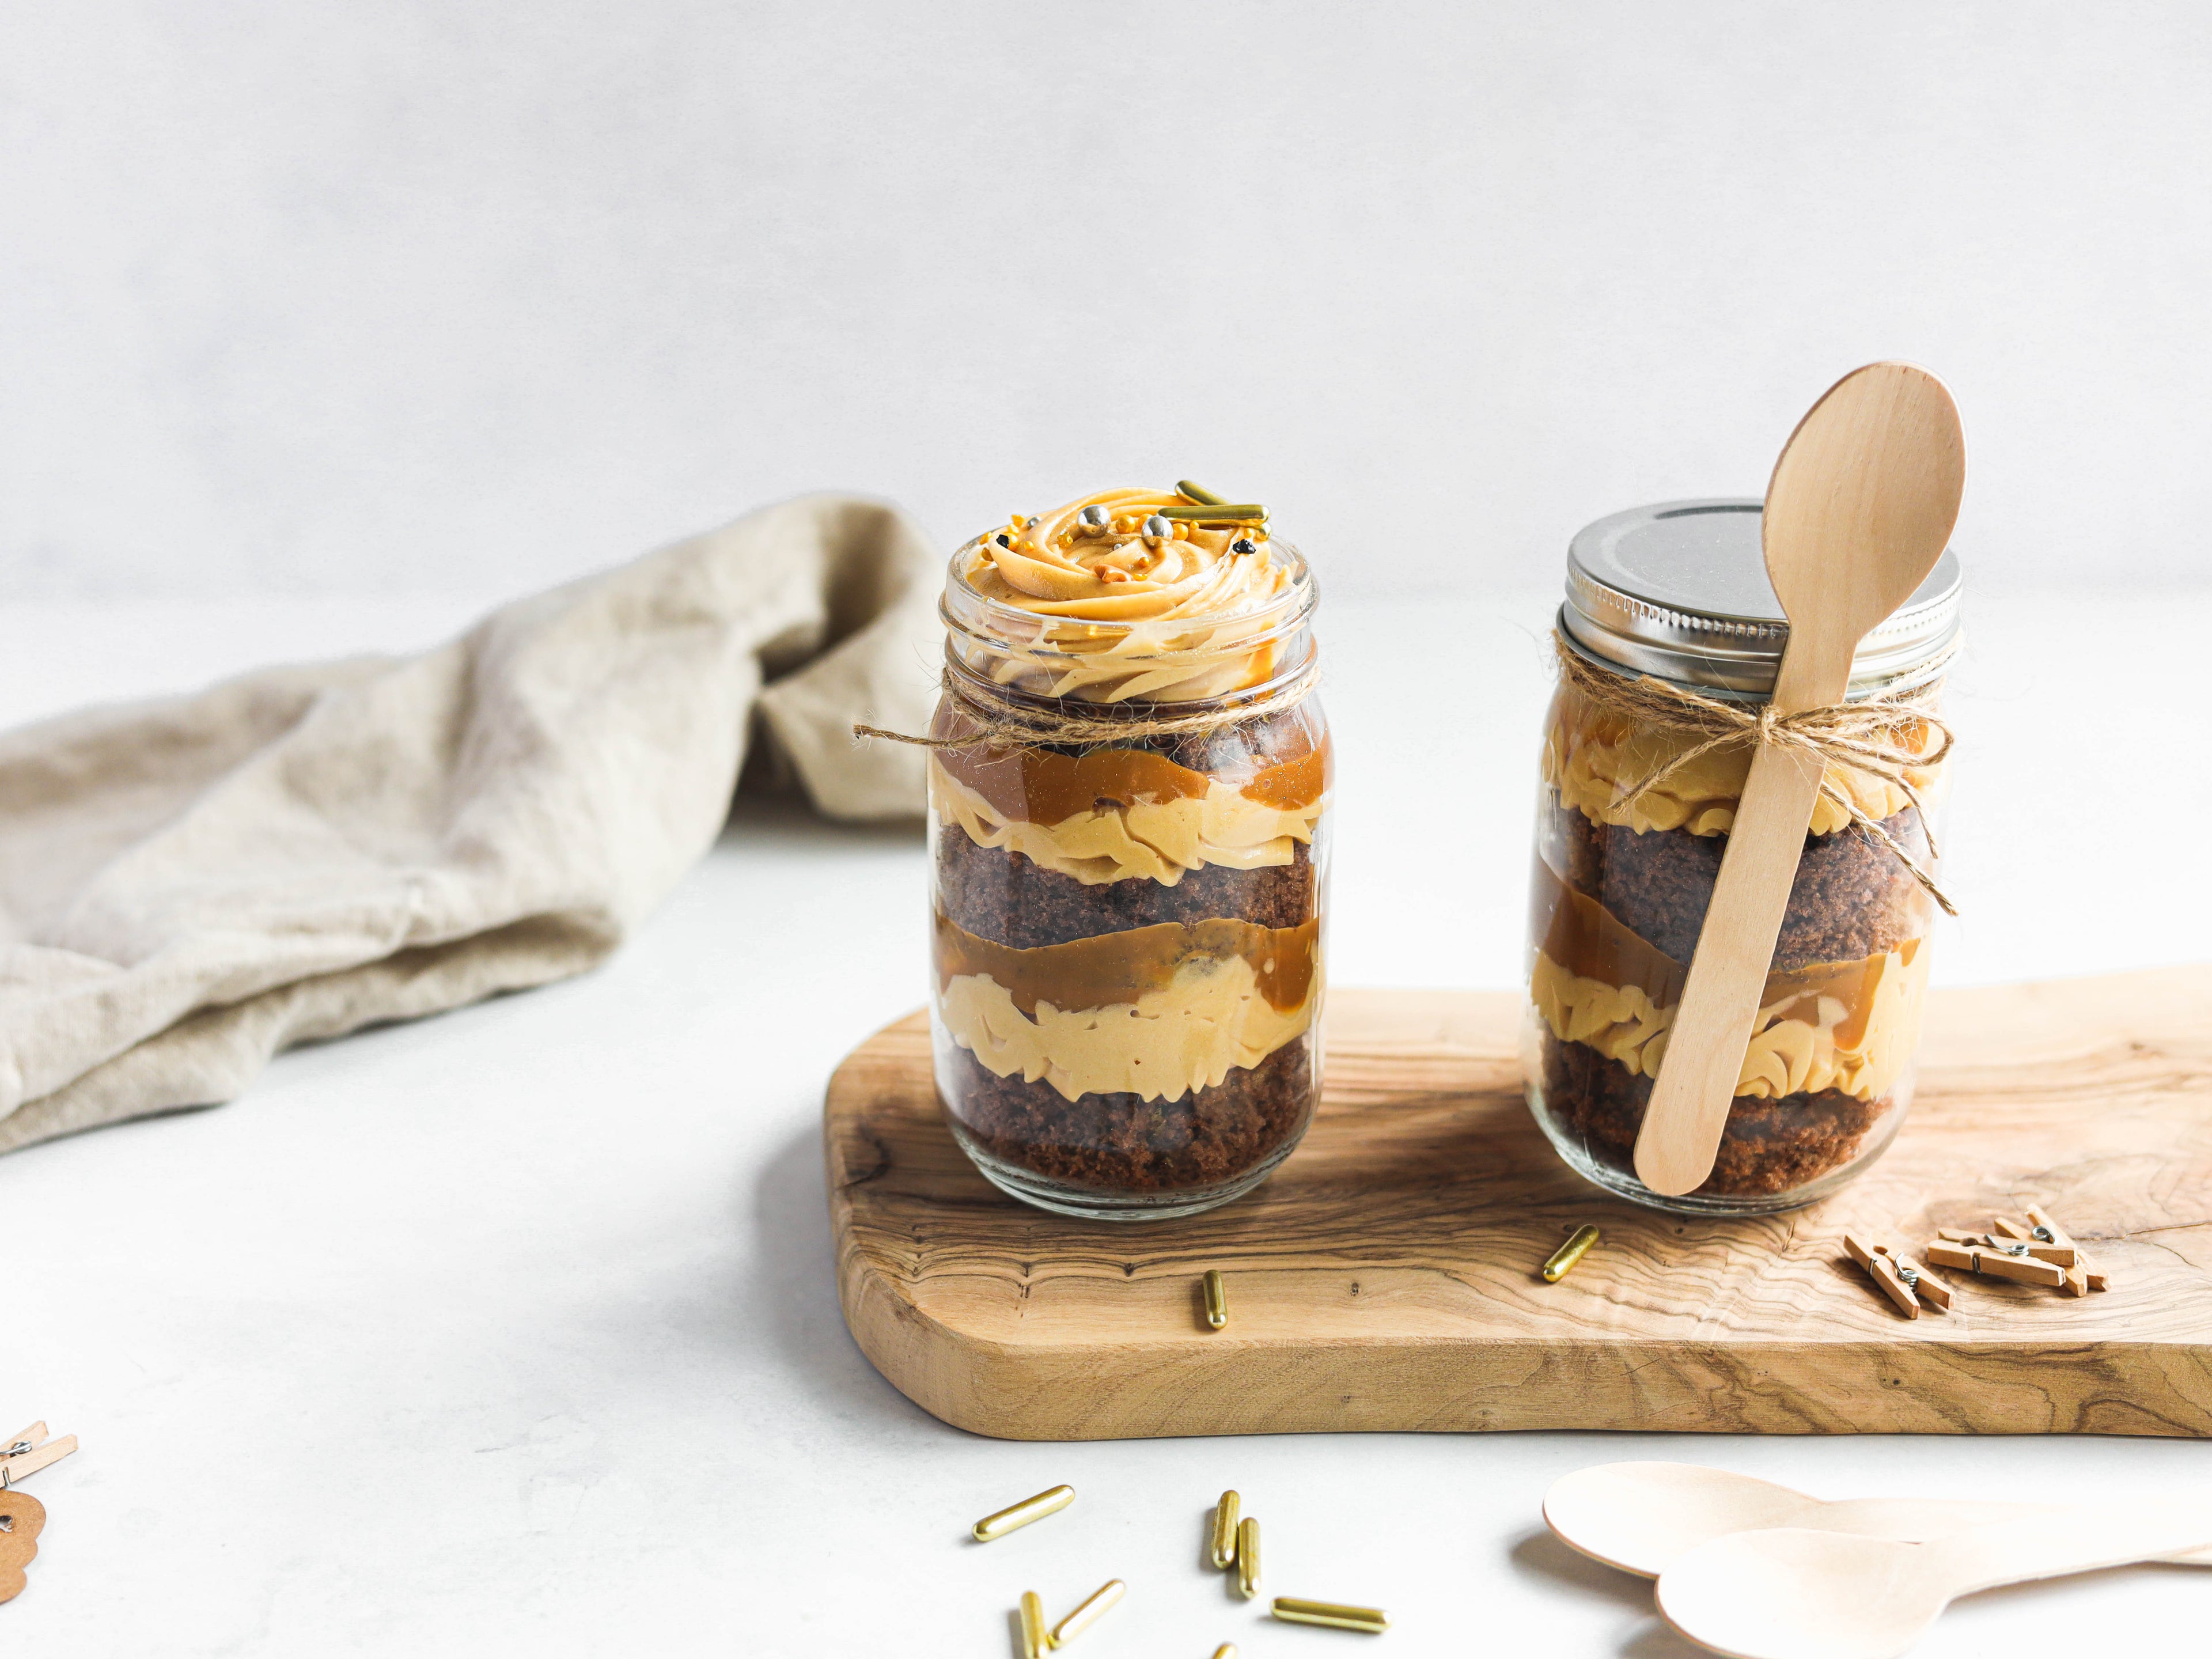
{"x": 1386, "y": 1277}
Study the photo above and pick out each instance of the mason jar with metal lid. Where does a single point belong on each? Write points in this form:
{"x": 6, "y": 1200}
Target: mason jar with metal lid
{"x": 1632, "y": 816}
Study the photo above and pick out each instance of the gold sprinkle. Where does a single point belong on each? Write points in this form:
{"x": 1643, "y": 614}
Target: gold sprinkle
{"x": 1245, "y": 513}
{"x": 1293, "y": 1611}
{"x": 1217, "y": 1299}
{"x": 1203, "y": 497}
{"x": 1051, "y": 1501}
{"x": 1247, "y": 1558}
{"x": 1034, "y": 1642}
{"x": 1224, "y": 1531}
{"x": 1568, "y": 1253}
{"x": 1093, "y": 1609}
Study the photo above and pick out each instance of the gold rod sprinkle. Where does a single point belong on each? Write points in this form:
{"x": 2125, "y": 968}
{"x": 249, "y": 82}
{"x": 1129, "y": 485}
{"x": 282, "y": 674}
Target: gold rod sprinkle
{"x": 1204, "y": 497}
{"x": 1088, "y": 1613}
{"x": 1292, "y": 1611}
{"x": 1247, "y": 1558}
{"x": 1051, "y": 1501}
{"x": 1243, "y": 512}
{"x": 1226, "y": 1650}
{"x": 1568, "y": 1253}
{"x": 1224, "y": 1531}
{"x": 1034, "y": 1642}
{"x": 1217, "y": 1299}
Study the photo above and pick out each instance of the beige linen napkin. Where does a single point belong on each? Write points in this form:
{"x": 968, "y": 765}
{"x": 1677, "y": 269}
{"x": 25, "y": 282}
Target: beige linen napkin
{"x": 187, "y": 886}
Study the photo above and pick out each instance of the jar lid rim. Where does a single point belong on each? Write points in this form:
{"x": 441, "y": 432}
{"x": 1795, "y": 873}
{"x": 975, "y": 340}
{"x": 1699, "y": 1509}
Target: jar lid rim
{"x": 1678, "y": 589}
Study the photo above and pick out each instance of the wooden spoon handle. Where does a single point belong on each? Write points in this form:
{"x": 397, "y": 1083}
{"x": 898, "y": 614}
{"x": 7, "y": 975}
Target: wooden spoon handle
{"x": 1681, "y": 1131}
{"x": 2073, "y": 1540}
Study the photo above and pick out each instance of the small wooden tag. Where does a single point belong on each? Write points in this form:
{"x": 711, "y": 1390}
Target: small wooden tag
{"x": 22, "y": 1518}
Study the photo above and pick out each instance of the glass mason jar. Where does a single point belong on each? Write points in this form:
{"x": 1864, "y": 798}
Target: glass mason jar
{"x": 1621, "y": 879}
{"x": 1125, "y": 1004}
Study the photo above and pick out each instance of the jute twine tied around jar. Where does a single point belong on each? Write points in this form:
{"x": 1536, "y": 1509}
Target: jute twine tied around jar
{"x": 1868, "y": 736}
{"x": 1012, "y": 726}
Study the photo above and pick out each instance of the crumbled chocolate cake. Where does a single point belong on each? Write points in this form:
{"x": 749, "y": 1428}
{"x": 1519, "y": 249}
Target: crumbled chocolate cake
{"x": 1851, "y": 899}
{"x": 1002, "y": 896}
{"x": 1122, "y": 1143}
{"x": 1769, "y": 1146}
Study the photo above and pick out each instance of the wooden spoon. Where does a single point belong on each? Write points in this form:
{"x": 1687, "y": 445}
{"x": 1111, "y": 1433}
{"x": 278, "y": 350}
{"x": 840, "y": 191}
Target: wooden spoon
{"x": 1859, "y": 509}
{"x": 1791, "y": 1594}
{"x": 1643, "y": 1517}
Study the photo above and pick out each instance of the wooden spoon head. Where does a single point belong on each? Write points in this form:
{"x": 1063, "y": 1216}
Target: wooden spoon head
{"x": 1796, "y": 1593}
{"x": 1642, "y": 1517}
{"x": 1862, "y": 505}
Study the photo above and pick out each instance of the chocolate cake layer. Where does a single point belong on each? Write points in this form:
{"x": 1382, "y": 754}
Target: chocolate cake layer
{"x": 1769, "y": 1145}
{"x": 1001, "y": 896}
{"x": 1124, "y": 1143}
{"x": 1851, "y": 899}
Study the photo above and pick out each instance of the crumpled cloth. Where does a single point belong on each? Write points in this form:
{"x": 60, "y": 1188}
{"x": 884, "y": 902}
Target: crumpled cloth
{"x": 188, "y": 885}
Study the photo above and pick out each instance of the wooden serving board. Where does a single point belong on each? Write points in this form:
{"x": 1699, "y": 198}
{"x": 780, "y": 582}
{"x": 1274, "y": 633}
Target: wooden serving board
{"x": 1386, "y": 1277}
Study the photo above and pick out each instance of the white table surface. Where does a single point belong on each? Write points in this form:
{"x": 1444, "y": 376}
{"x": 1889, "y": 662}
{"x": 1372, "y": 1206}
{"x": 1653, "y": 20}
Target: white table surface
{"x": 514, "y": 1331}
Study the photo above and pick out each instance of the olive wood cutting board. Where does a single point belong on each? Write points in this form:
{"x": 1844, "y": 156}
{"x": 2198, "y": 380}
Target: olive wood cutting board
{"x": 1386, "y": 1276}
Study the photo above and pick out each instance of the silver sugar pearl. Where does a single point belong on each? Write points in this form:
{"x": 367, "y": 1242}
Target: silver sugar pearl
{"x": 1158, "y": 529}
{"x": 1094, "y": 515}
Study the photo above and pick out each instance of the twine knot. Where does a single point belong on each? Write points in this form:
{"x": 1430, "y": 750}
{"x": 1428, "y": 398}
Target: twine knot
{"x": 1876, "y": 736}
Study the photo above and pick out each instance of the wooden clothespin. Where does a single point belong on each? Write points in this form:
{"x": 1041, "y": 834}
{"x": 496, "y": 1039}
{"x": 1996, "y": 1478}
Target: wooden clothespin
{"x": 2044, "y": 1249}
{"x": 1982, "y": 1255}
{"x": 28, "y": 1451}
{"x": 1902, "y": 1279}
{"x": 2083, "y": 1278}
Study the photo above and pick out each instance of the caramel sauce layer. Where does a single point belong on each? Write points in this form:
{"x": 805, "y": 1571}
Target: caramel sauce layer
{"x": 1590, "y": 942}
{"x": 1119, "y": 968}
{"x": 1039, "y": 787}
{"x": 1294, "y": 783}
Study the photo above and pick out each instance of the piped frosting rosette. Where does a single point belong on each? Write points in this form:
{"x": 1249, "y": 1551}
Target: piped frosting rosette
{"x": 1127, "y": 595}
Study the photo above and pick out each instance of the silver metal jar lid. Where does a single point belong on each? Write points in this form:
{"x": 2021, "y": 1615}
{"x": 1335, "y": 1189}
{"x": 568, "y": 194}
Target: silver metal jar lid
{"x": 1680, "y": 590}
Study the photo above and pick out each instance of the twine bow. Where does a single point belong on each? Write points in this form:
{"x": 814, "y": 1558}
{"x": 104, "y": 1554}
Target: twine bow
{"x": 1868, "y": 736}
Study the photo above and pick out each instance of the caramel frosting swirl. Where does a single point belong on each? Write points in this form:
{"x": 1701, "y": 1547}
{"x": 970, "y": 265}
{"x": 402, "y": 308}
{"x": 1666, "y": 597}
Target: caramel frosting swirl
{"x": 1855, "y": 1033}
{"x": 1126, "y": 595}
{"x": 1160, "y": 1012}
{"x": 1158, "y": 840}
{"x": 1057, "y": 565}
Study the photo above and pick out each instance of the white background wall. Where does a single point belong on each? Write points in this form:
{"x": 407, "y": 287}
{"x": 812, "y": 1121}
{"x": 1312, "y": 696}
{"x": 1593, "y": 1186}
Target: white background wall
{"x": 338, "y": 297}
